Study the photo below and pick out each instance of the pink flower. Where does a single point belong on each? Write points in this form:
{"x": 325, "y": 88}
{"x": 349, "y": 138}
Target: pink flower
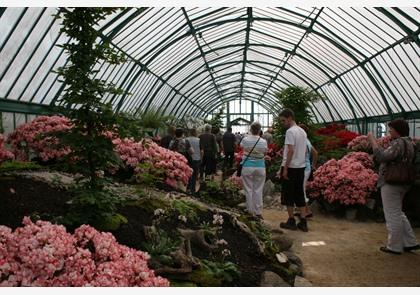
{"x": 42, "y": 254}
{"x": 4, "y": 154}
{"x": 348, "y": 181}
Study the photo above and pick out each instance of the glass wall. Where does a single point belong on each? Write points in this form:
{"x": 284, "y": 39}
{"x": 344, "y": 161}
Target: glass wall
{"x": 238, "y": 113}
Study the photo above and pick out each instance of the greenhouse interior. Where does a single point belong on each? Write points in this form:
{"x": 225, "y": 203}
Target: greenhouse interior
{"x": 210, "y": 146}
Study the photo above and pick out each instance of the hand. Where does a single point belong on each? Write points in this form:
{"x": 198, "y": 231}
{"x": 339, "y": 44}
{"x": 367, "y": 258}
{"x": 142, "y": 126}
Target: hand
{"x": 370, "y": 136}
{"x": 285, "y": 173}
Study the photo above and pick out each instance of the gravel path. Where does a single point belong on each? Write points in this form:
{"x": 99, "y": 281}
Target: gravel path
{"x": 346, "y": 253}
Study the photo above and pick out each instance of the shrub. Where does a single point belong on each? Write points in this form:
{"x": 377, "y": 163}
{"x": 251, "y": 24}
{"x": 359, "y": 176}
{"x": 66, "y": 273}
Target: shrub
{"x": 4, "y": 154}
{"x": 347, "y": 181}
{"x": 362, "y": 144}
{"x": 42, "y": 254}
{"x": 32, "y": 138}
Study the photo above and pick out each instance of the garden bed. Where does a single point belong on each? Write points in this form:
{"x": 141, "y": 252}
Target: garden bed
{"x": 22, "y": 196}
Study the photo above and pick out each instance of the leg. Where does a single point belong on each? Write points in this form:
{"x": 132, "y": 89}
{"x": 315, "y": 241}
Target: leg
{"x": 409, "y": 238}
{"x": 259, "y": 181}
{"x": 247, "y": 180}
{"x": 391, "y": 200}
{"x": 299, "y": 176}
{"x": 305, "y": 181}
{"x": 287, "y": 200}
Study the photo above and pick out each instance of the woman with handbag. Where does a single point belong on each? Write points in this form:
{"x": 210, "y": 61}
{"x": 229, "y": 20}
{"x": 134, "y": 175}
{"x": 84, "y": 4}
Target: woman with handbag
{"x": 253, "y": 170}
{"x": 396, "y": 175}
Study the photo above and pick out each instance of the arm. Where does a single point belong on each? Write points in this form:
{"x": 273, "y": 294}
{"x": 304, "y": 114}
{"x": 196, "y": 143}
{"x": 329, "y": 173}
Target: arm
{"x": 314, "y": 157}
{"x": 383, "y": 156}
{"x": 290, "y": 152}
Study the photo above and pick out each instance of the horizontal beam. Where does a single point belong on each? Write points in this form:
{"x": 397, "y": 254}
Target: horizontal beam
{"x": 23, "y": 107}
{"x": 386, "y": 118}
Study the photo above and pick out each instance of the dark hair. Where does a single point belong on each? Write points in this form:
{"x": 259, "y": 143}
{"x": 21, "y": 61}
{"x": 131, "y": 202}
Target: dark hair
{"x": 287, "y": 113}
{"x": 255, "y": 128}
{"x": 229, "y": 129}
{"x": 401, "y": 126}
{"x": 179, "y": 132}
{"x": 171, "y": 130}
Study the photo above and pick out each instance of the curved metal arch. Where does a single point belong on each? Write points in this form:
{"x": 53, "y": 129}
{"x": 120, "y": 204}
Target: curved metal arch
{"x": 234, "y": 91}
{"x": 287, "y": 70}
{"x": 323, "y": 36}
{"x": 232, "y": 98}
{"x": 221, "y": 77}
{"x": 177, "y": 67}
{"x": 271, "y": 64}
{"x": 240, "y": 45}
{"x": 289, "y": 83}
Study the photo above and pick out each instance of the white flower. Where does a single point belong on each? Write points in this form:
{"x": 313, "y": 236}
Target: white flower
{"x": 221, "y": 242}
{"x": 226, "y": 252}
{"x": 217, "y": 219}
{"x": 159, "y": 212}
{"x": 182, "y": 218}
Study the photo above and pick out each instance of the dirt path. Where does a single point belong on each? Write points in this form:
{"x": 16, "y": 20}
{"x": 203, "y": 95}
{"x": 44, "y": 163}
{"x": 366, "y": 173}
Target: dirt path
{"x": 350, "y": 256}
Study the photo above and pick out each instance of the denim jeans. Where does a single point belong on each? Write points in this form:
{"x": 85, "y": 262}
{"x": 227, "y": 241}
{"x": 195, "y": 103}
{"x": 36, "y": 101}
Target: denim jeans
{"x": 195, "y": 165}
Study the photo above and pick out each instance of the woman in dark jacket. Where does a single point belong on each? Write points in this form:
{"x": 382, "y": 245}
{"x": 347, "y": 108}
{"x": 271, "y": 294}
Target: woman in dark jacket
{"x": 400, "y": 234}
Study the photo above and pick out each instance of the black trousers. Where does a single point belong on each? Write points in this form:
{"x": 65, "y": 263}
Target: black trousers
{"x": 229, "y": 159}
{"x": 292, "y": 188}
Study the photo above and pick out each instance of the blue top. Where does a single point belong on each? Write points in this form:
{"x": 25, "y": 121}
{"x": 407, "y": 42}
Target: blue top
{"x": 308, "y": 155}
{"x": 256, "y": 158}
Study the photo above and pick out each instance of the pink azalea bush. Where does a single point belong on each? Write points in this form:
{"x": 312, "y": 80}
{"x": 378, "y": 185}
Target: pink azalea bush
{"x": 174, "y": 165}
{"x": 362, "y": 144}
{"x": 234, "y": 182}
{"x": 26, "y": 139}
{"x": 384, "y": 142}
{"x": 4, "y": 154}
{"x": 348, "y": 181}
{"x": 42, "y": 254}
{"x": 364, "y": 158}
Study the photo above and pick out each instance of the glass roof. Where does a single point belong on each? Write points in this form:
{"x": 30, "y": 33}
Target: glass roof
{"x": 190, "y": 61}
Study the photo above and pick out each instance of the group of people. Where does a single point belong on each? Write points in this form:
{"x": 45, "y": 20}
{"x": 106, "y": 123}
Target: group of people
{"x": 299, "y": 161}
{"x": 201, "y": 151}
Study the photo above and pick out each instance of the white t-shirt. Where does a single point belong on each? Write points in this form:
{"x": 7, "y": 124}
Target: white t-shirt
{"x": 295, "y": 136}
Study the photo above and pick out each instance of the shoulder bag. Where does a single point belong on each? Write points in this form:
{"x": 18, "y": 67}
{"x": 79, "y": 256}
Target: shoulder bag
{"x": 239, "y": 169}
{"x": 401, "y": 172}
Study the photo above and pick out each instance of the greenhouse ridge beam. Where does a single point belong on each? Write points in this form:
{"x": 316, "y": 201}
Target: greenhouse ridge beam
{"x": 246, "y": 46}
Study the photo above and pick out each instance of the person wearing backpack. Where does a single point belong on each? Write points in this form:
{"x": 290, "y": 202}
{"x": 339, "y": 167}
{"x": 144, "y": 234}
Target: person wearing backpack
{"x": 195, "y": 163}
{"x": 396, "y": 175}
{"x": 180, "y": 145}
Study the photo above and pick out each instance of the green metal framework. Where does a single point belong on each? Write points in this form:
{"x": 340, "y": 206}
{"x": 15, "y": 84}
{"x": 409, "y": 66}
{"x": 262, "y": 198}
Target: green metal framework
{"x": 190, "y": 61}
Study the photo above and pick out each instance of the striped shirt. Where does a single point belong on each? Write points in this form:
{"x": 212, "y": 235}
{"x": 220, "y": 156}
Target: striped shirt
{"x": 256, "y": 158}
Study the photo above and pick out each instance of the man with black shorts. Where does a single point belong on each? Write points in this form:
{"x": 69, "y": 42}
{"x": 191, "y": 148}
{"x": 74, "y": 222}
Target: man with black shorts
{"x": 293, "y": 171}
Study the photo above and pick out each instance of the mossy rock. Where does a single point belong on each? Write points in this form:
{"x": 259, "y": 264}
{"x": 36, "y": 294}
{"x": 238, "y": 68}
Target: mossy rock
{"x": 288, "y": 274}
{"x": 182, "y": 284}
{"x": 203, "y": 278}
{"x": 112, "y": 222}
{"x": 187, "y": 208}
{"x": 150, "y": 204}
{"x": 11, "y": 166}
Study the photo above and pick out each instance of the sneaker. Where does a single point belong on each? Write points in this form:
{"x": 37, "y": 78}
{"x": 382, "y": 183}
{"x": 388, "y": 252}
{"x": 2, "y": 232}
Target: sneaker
{"x": 412, "y": 248}
{"x": 290, "y": 224}
{"x": 302, "y": 225}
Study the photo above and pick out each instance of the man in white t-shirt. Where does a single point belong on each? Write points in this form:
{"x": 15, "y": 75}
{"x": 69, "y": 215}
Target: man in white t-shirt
{"x": 293, "y": 171}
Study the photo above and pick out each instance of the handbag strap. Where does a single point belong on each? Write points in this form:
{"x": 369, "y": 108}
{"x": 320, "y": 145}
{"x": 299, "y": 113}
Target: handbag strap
{"x": 252, "y": 149}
